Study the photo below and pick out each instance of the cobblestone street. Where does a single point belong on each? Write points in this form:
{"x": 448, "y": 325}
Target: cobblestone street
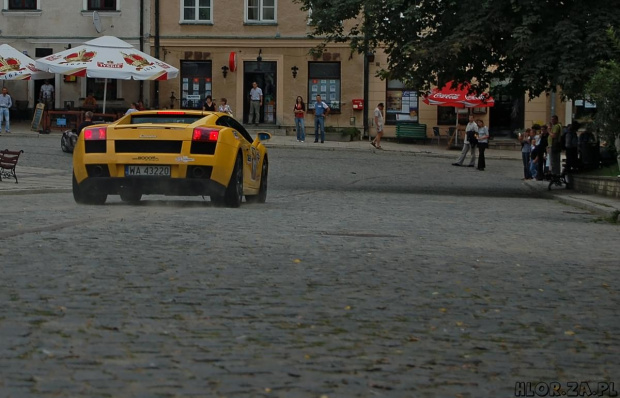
{"x": 365, "y": 274}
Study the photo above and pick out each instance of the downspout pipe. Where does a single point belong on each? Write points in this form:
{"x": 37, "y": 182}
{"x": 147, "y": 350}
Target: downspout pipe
{"x": 156, "y": 83}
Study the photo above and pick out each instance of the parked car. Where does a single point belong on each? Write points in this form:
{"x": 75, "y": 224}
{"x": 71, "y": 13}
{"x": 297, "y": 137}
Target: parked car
{"x": 170, "y": 152}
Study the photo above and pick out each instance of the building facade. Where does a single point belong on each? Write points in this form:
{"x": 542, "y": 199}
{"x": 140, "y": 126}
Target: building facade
{"x": 221, "y": 48}
{"x": 39, "y": 28}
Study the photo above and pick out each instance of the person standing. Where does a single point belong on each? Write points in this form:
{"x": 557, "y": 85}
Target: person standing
{"x": 526, "y": 150}
{"x": 555, "y": 148}
{"x": 483, "y": 143}
{"x": 379, "y": 122}
{"x": 541, "y": 150}
{"x": 46, "y": 95}
{"x": 208, "y": 105}
{"x": 320, "y": 111}
{"x": 470, "y": 130}
{"x": 572, "y": 147}
{"x": 300, "y": 111}
{"x": 6, "y": 102}
{"x": 224, "y": 107}
{"x": 256, "y": 101}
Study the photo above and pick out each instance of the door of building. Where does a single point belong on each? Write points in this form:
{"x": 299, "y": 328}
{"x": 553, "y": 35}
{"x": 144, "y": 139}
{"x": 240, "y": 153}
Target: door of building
{"x": 196, "y": 83}
{"x": 264, "y": 74}
{"x": 507, "y": 115}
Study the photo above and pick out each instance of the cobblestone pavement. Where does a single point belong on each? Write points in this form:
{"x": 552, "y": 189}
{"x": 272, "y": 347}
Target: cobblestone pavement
{"x": 397, "y": 276}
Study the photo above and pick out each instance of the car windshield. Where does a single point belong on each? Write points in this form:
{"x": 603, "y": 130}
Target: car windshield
{"x": 182, "y": 119}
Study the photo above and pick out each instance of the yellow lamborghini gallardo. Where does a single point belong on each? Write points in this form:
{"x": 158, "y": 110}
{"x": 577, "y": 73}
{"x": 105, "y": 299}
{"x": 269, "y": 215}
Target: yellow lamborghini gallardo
{"x": 170, "y": 152}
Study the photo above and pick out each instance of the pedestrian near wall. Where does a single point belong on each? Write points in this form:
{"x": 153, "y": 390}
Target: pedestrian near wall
{"x": 6, "y": 102}
{"x": 526, "y": 150}
{"x": 555, "y": 147}
{"x": 320, "y": 111}
{"x": 483, "y": 144}
{"x": 472, "y": 127}
{"x": 299, "y": 110}
{"x": 379, "y": 122}
{"x": 46, "y": 95}
{"x": 256, "y": 101}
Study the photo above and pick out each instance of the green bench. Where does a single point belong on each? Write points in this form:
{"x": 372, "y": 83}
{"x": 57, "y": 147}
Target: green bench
{"x": 410, "y": 130}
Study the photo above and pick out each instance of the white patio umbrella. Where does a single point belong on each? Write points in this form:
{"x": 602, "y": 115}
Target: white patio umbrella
{"x": 107, "y": 57}
{"x": 14, "y": 65}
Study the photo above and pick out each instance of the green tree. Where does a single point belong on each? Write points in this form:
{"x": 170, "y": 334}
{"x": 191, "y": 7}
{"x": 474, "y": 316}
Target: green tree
{"x": 525, "y": 44}
{"x": 604, "y": 90}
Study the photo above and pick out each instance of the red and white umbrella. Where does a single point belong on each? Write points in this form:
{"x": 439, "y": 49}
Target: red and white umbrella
{"x": 459, "y": 97}
{"x": 107, "y": 57}
{"x": 14, "y": 65}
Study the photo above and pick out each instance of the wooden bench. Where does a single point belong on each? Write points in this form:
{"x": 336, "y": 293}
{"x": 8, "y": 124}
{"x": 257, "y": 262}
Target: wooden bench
{"x": 8, "y": 161}
{"x": 409, "y": 130}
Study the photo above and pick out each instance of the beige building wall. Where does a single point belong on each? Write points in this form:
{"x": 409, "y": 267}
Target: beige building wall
{"x": 57, "y": 24}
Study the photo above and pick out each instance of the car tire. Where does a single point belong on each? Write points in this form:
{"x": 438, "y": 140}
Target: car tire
{"x": 234, "y": 191}
{"x": 81, "y": 197}
{"x": 130, "y": 195}
{"x": 262, "y": 191}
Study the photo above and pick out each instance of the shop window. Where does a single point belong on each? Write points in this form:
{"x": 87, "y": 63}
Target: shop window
{"x": 324, "y": 80}
{"x": 401, "y": 103}
{"x": 97, "y": 86}
{"x": 446, "y": 116}
{"x": 23, "y": 4}
{"x": 101, "y": 5}
{"x": 260, "y": 10}
{"x": 196, "y": 83}
{"x": 196, "y": 11}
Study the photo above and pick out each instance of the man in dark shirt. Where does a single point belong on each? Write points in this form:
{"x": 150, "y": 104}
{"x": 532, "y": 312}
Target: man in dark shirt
{"x": 88, "y": 121}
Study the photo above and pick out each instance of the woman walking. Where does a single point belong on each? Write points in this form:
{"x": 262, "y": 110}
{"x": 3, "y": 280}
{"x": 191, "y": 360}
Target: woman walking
{"x": 300, "y": 111}
{"x": 483, "y": 143}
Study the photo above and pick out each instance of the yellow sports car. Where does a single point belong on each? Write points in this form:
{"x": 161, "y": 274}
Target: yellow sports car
{"x": 170, "y": 152}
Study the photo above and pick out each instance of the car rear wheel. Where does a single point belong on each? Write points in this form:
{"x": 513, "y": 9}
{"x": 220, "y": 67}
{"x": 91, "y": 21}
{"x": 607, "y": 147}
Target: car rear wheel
{"x": 130, "y": 195}
{"x": 87, "y": 198}
{"x": 234, "y": 191}
{"x": 262, "y": 191}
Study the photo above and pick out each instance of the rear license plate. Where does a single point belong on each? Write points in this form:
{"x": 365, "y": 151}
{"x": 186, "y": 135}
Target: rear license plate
{"x": 147, "y": 170}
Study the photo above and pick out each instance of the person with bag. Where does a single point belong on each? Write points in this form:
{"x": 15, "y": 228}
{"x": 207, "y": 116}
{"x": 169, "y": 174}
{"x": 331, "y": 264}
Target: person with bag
{"x": 483, "y": 143}
{"x": 470, "y": 131}
{"x": 299, "y": 109}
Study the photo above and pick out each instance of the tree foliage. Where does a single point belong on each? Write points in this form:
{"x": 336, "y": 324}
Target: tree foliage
{"x": 604, "y": 90}
{"x": 527, "y": 45}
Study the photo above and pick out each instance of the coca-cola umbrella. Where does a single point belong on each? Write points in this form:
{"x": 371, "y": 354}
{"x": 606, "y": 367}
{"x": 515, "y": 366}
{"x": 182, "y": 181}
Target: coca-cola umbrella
{"x": 107, "y": 57}
{"x": 458, "y": 97}
{"x": 15, "y": 65}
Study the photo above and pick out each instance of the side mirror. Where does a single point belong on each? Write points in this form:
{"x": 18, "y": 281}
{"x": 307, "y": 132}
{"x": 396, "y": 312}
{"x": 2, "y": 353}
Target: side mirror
{"x": 264, "y": 136}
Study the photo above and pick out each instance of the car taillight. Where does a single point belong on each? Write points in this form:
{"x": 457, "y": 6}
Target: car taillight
{"x": 205, "y": 134}
{"x": 96, "y": 133}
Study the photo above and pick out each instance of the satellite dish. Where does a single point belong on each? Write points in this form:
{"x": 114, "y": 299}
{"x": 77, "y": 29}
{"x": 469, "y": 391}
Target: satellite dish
{"x": 97, "y": 22}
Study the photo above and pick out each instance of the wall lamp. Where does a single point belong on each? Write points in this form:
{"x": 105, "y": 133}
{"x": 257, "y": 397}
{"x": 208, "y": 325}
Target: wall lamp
{"x": 259, "y": 58}
{"x": 225, "y": 71}
{"x": 294, "y": 69}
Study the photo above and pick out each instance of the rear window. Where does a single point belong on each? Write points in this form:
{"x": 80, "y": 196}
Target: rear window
{"x": 181, "y": 119}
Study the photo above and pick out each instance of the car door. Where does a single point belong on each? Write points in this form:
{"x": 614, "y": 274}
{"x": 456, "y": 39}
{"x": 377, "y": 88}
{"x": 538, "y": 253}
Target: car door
{"x": 251, "y": 155}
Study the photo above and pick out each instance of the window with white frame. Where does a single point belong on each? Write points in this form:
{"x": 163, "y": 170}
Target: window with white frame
{"x": 23, "y": 5}
{"x": 101, "y": 5}
{"x": 260, "y": 10}
{"x": 196, "y": 11}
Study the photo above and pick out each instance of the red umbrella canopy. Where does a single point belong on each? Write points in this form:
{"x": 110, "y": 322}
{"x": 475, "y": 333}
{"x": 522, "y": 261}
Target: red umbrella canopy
{"x": 458, "y": 97}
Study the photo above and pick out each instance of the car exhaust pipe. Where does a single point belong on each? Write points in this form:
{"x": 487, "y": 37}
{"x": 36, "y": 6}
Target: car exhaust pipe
{"x": 97, "y": 171}
{"x": 198, "y": 172}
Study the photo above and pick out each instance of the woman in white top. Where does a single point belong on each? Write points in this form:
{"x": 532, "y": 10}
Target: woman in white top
{"x": 132, "y": 108}
{"x": 483, "y": 143}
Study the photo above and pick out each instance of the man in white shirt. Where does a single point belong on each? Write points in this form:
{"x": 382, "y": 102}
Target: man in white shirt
{"x": 467, "y": 146}
{"x": 379, "y": 126}
{"x": 256, "y": 101}
{"x": 46, "y": 95}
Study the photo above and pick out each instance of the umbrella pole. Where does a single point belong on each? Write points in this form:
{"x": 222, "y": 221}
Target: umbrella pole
{"x": 105, "y": 92}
